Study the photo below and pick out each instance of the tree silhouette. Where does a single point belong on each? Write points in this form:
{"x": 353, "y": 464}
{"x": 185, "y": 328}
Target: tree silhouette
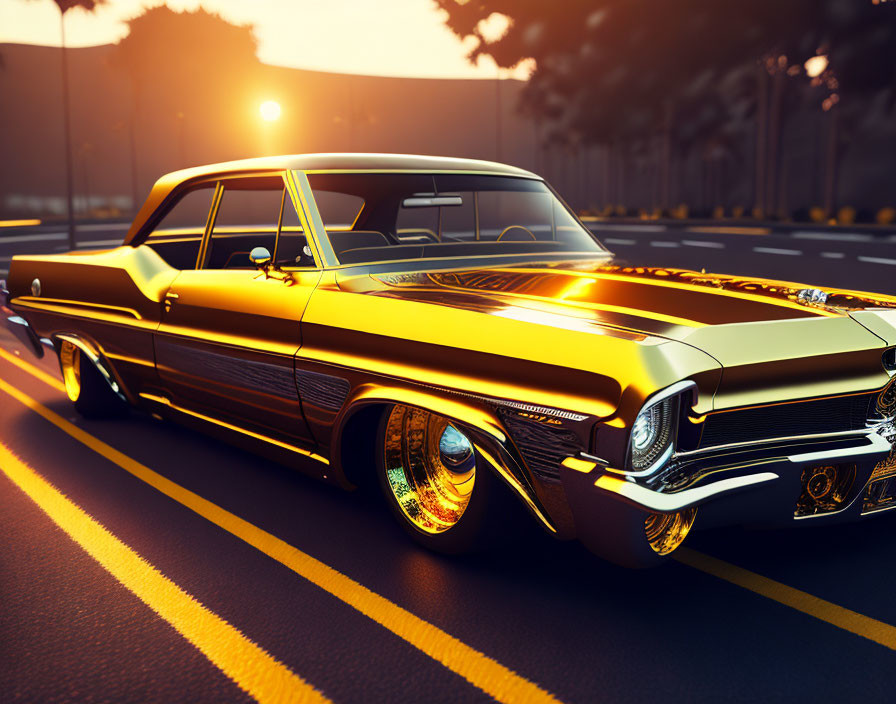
{"x": 64, "y": 6}
{"x": 190, "y": 66}
{"x": 622, "y": 71}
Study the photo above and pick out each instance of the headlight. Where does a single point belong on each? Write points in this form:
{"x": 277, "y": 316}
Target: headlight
{"x": 652, "y": 434}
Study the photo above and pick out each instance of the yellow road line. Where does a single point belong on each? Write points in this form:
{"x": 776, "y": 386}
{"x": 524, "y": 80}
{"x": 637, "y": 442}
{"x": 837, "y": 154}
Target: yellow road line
{"x": 19, "y": 223}
{"x": 872, "y": 629}
{"x": 248, "y": 665}
{"x": 32, "y": 370}
{"x": 496, "y": 680}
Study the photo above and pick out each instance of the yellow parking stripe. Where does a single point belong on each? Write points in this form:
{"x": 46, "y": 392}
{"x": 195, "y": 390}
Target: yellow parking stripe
{"x": 34, "y": 371}
{"x": 249, "y": 666}
{"x": 496, "y": 680}
{"x": 877, "y": 631}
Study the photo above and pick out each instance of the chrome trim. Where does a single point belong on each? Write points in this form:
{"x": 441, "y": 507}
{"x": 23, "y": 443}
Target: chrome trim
{"x": 594, "y": 458}
{"x": 97, "y": 363}
{"x": 541, "y": 410}
{"x": 164, "y": 401}
{"x": 679, "y": 388}
{"x": 669, "y": 503}
{"x": 672, "y": 390}
{"x": 518, "y": 405}
{"x": 652, "y": 469}
{"x": 878, "y": 443}
{"x": 25, "y": 334}
{"x": 750, "y": 444}
{"x": 869, "y": 512}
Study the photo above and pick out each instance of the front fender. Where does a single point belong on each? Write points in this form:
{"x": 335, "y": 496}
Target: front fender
{"x": 489, "y": 438}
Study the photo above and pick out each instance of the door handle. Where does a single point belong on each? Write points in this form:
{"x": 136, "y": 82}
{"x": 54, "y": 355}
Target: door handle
{"x": 169, "y": 299}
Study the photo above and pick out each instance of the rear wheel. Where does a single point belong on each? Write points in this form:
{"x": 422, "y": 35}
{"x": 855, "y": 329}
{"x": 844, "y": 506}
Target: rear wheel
{"x": 435, "y": 483}
{"x": 86, "y": 386}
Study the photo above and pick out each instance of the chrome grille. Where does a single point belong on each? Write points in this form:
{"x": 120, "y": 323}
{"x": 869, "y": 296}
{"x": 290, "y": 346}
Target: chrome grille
{"x": 829, "y": 415}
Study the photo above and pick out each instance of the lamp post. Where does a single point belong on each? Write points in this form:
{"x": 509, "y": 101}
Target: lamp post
{"x": 69, "y": 181}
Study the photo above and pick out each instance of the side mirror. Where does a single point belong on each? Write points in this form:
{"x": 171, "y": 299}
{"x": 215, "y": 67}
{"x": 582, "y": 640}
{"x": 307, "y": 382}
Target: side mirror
{"x": 260, "y": 257}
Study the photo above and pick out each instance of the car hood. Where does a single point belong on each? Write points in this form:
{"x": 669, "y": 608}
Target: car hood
{"x": 770, "y": 342}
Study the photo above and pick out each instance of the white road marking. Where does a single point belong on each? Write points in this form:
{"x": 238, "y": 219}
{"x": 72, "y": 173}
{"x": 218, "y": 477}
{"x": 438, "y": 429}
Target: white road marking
{"x": 34, "y": 238}
{"x": 702, "y": 243}
{"x": 777, "y": 250}
{"x": 664, "y": 244}
{"x": 832, "y": 236}
{"x": 596, "y": 227}
{"x": 99, "y": 243}
{"x": 877, "y": 260}
{"x": 123, "y": 226}
{"x": 616, "y": 240}
{"x": 833, "y": 255}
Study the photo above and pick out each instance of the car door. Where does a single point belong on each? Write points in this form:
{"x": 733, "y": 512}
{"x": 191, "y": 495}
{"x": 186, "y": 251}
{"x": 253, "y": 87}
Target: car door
{"x": 229, "y": 331}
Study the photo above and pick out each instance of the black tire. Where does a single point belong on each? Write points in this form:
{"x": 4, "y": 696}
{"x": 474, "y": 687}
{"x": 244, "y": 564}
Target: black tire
{"x": 487, "y": 521}
{"x": 88, "y": 389}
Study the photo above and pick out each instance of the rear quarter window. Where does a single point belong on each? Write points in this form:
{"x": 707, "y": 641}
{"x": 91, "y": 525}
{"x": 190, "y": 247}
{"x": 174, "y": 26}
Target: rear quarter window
{"x": 178, "y": 235}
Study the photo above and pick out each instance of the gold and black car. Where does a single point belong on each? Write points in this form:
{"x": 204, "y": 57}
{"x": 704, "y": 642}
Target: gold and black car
{"x": 449, "y": 329}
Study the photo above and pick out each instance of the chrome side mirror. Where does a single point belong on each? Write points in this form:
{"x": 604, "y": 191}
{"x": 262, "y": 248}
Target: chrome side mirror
{"x": 260, "y": 257}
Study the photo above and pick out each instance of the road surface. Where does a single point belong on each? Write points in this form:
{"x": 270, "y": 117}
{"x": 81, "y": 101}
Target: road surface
{"x": 144, "y": 562}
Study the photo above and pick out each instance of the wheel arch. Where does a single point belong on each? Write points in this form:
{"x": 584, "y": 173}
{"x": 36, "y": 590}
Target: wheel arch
{"x": 354, "y": 435}
{"x": 93, "y": 352}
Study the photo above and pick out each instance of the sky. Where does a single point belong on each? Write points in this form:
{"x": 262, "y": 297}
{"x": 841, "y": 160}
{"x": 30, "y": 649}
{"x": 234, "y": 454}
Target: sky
{"x": 374, "y": 37}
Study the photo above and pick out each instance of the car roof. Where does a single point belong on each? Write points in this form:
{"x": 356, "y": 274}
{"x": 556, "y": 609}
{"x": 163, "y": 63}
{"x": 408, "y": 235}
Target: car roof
{"x": 164, "y": 187}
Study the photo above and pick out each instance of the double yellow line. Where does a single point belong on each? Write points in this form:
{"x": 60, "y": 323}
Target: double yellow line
{"x": 478, "y": 669}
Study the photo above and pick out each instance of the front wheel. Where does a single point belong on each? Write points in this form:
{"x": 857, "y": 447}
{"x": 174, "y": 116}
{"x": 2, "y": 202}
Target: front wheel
{"x": 435, "y": 483}
{"x": 85, "y": 385}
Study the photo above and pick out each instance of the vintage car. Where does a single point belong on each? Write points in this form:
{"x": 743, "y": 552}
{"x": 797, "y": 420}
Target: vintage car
{"x": 450, "y": 330}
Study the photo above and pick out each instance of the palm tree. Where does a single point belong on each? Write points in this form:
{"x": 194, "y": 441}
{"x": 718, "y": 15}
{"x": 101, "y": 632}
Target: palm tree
{"x": 64, "y": 6}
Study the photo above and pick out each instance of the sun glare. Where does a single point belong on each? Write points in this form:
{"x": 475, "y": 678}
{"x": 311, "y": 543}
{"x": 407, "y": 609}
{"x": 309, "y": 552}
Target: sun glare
{"x": 269, "y": 110}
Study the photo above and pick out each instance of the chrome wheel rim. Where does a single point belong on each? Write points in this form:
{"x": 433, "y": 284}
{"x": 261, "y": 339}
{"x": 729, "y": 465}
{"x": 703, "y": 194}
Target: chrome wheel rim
{"x": 430, "y": 468}
{"x": 70, "y": 361}
{"x": 666, "y": 531}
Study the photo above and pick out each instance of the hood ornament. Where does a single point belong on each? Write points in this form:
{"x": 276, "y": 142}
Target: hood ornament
{"x": 812, "y": 295}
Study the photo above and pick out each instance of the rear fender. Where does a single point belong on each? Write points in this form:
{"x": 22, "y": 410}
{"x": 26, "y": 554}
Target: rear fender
{"x": 94, "y": 354}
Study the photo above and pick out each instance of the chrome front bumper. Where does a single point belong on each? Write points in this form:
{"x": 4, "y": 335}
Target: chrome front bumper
{"x": 748, "y": 483}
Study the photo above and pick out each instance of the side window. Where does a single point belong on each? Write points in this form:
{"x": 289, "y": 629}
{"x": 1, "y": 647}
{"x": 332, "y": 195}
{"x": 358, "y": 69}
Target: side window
{"x": 292, "y": 247}
{"x": 247, "y": 218}
{"x": 177, "y": 237}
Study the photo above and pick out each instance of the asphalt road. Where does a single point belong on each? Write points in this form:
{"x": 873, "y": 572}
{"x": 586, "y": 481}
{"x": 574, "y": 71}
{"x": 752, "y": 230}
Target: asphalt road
{"x": 143, "y": 562}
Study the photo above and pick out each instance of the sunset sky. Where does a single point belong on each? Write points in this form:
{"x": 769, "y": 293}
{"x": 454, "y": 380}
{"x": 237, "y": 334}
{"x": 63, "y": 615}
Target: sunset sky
{"x": 380, "y": 37}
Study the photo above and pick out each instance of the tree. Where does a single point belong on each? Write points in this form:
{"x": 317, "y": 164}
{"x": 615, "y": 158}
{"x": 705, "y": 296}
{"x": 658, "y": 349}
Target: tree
{"x": 622, "y": 71}
{"x": 193, "y": 66}
{"x": 64, "y": 6}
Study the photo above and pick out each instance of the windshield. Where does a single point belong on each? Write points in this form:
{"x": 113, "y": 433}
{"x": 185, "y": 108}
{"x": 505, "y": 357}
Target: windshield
{"x": 375, "y": 217}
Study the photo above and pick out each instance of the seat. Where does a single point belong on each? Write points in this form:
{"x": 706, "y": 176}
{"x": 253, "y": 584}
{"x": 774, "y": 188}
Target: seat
{"x": 344, "y": 240}
{"x": 233, "y": 261}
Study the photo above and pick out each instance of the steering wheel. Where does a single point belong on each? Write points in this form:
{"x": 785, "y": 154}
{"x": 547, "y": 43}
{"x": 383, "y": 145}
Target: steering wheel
{"x": 516, "y": 233}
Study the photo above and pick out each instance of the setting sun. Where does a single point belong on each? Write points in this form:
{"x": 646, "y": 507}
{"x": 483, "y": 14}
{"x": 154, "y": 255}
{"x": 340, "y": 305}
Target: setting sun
{"x": 269, "y": 110}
